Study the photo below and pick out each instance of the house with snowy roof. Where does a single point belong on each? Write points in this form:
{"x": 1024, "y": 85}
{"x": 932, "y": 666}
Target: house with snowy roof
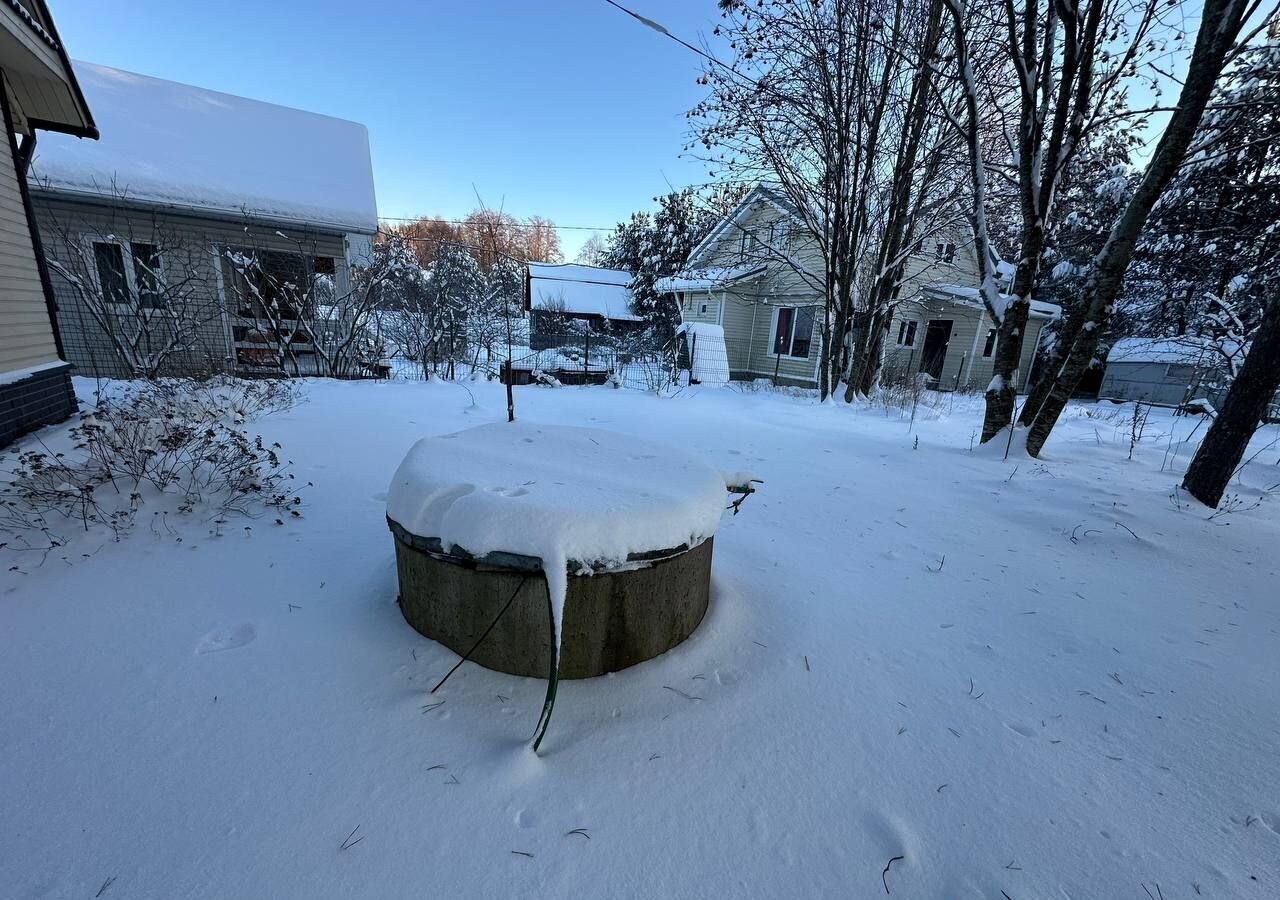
{"x": 564, "y": 300}
{"x": 38, "y": 92}
{"x": 758, "y": 278}
{"x": 177, "y": 243}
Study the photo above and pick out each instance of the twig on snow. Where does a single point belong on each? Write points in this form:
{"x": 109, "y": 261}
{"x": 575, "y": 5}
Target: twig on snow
{"x": 348, "y": 843}
{"x": 106, "y": 884}
{"x": 1128, "y": 529}
{"x": 884, "y": 876}
{"x": 580, "y": 832}
{"x": 681, "y": 693}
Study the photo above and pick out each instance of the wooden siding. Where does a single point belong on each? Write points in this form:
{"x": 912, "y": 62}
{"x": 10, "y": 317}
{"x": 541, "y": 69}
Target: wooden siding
{"x": 202, "y": 241}
{"x": 964, "y": 368}
{"x": 26, "y": 334}
{"x": 38, "y": 83}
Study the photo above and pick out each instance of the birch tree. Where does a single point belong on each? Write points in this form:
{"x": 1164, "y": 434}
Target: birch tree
{"x": 1070, "y": 60}
{"x": 1221, "y": 26}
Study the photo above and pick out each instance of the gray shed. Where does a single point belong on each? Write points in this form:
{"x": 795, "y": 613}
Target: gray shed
{"x": 1165, "y": 371}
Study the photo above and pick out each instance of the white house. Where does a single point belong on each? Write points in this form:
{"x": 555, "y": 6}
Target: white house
{"x": 771, "y": 309}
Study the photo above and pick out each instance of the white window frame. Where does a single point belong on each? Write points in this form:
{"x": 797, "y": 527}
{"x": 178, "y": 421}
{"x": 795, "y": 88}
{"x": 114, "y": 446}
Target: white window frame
{"x": 780, "y": 236}
{"x": 946, "y": 253}
{"x": 993, "y": 337}
{"x": 89, "y": 241}
{"x": 906, "y": 336}
{"x": 791, "y": 338}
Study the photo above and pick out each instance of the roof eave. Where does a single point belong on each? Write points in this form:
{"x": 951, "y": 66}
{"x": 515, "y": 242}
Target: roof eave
{"x": 199, "y": 212}
{"x": 87, "y": 128}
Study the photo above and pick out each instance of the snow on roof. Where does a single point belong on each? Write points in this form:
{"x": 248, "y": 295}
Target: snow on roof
{"x": 1162, "y": 350}
{"x": 972, "y": 297}
{"x": 708, "y": 279}
{"x": 174, "y": 144}
{"x": 581, "y": 290}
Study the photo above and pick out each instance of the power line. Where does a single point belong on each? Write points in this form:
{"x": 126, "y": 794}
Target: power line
{"x": 498, "y": 225}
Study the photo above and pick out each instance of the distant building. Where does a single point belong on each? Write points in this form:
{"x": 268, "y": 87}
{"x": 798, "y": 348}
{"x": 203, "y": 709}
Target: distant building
{"x": 192, "y": 224}
{"x": 1173, "y": 372}
{"x": 562, "y": 299}
{"x": 39, "y": 93}
{"x": 771, "y": 309}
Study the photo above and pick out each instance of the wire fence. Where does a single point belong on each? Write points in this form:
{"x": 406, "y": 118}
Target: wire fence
{"x": 579, "y": 356}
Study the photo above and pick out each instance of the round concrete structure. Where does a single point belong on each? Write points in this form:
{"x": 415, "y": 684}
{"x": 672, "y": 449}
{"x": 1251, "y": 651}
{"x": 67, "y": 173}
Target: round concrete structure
{"x": 613, "y": 618}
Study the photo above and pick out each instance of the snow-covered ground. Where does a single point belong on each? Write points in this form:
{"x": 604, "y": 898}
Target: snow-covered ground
{"x": 925, "y": 670}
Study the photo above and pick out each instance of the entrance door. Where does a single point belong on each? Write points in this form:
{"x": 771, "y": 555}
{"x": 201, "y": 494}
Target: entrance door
{"x": 937, "y": 335}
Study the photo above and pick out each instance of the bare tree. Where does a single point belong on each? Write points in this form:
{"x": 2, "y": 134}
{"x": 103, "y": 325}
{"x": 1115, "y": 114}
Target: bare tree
{"x": 809, "y": 105}
{"x": 307, "y": 322}
{"x": 910, "y": 202}
{"x": 144, "y": 298}
{"x": 1070, "y": 60}
{"x": 1220, "y": 29}
{"x": 1251, "y": 393}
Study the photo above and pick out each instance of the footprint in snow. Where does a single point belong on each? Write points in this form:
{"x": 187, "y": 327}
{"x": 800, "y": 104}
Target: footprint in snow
{"x": 1018, "y": 728}
{"x": 380, "y": 497}
{"x": 229, "y": 639}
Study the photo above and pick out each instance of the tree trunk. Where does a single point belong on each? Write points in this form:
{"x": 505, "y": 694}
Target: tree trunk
{"x": 1219, "y": 27}
{"x": 1251, "y": 393}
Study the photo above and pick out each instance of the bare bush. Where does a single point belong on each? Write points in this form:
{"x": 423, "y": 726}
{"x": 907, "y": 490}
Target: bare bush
{"x": 176, "y": 443}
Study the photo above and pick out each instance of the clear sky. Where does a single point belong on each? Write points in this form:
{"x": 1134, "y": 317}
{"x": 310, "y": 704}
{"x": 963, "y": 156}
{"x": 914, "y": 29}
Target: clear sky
{"x": 562, "y": 108}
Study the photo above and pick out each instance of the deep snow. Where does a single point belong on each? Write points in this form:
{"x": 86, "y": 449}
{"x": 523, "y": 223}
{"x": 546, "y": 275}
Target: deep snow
{"x": 1052, "y": 679}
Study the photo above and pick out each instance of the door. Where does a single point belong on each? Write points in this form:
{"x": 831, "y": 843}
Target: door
{"x": 937, "y": 335}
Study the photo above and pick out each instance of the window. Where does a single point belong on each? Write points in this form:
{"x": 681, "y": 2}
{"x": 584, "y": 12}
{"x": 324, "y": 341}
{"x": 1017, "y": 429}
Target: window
{"x": 285, "y": 282}
{"x": 703, "y": 308}
{"x": 990, "y": 346}
{"x": 747, "y": 244}
{"x": 146, "y": 275}
{"x": 793, "y": 331}
{"x": 907, "y": 334}
{"x": 779, "y": 236}
{"x": 1184, "y": 371}
{"x": 109, "y": 260}
{"x": 947, "y": 253}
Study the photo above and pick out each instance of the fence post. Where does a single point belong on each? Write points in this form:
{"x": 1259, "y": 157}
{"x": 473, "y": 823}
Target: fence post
{"x": 693, "y": 353}
{"x": 510, "y": 380}
{"x": 586, "y": 355}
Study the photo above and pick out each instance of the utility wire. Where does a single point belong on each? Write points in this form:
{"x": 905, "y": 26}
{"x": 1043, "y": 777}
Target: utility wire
{"x": 430, "y": 219}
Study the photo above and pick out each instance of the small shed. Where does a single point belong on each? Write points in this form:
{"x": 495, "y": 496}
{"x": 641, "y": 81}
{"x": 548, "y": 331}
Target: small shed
{"x": 560, "y": 297}
{"x": 1165, "y": 371}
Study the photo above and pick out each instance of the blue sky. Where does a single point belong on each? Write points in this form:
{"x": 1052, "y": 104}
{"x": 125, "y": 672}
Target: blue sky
{"x": 562, "y": 108}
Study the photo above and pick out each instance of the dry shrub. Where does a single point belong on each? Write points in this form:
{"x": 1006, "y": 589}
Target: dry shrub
{"x": 176, "y": 443}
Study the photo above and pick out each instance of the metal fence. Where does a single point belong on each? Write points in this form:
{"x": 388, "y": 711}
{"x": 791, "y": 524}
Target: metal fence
{"x": 638, "y": 359}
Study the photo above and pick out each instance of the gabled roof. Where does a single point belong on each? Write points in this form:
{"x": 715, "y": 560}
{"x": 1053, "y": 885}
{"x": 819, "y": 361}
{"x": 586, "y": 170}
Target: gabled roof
{"x": 580, "y": 291}
{"x": 712, "y": 279}
{"x": 971, "y": 296}
{"x": 759, "y": 193}
{"x": 189, "y": 148}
